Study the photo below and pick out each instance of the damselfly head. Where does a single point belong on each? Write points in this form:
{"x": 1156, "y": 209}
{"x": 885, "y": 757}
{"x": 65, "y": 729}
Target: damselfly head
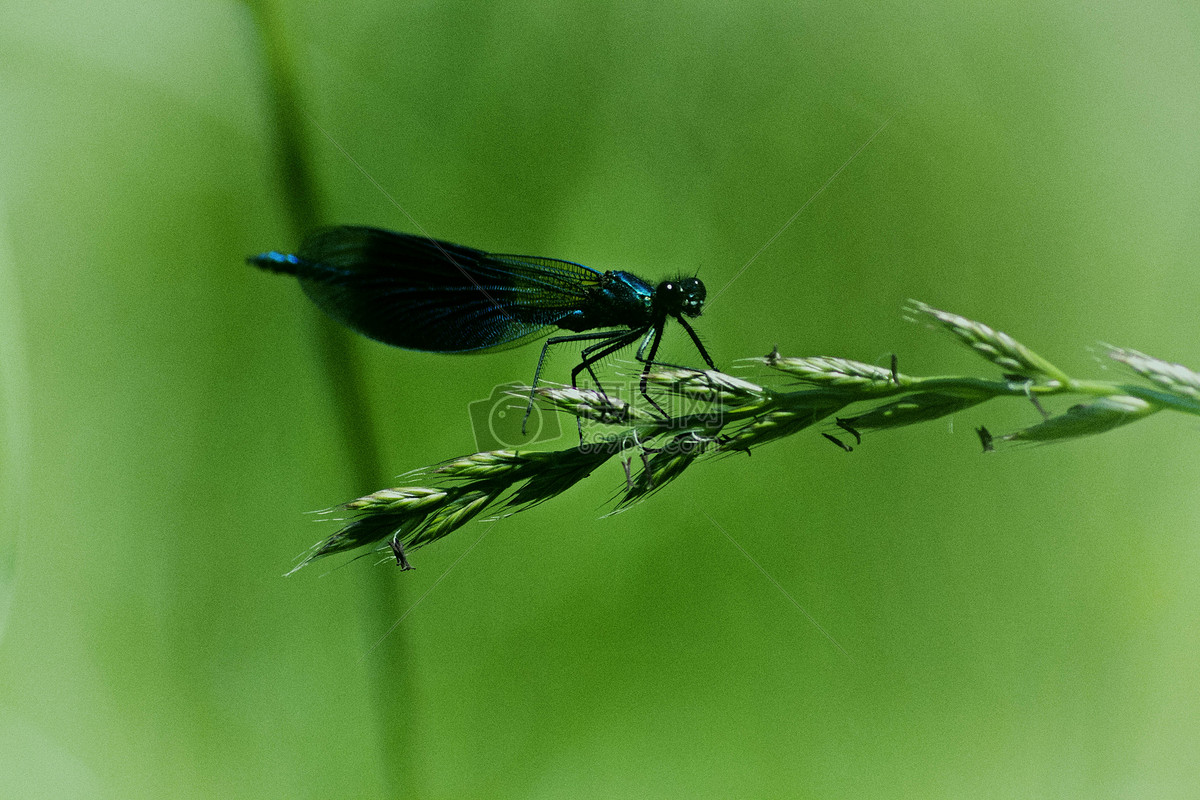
{"x": 683, "y": 296}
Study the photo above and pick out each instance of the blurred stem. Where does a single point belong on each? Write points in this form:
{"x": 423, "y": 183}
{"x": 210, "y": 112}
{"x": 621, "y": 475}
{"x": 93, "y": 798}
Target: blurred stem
{"x": 389, "y": 665}
{"x": 14, "y": 423}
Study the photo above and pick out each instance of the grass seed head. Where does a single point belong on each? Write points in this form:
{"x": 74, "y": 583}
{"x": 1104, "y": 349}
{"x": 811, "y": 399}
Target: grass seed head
{"x": 739, "y": 415}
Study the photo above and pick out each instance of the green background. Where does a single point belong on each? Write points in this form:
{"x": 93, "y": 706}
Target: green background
{"x": 1025, "y": 624}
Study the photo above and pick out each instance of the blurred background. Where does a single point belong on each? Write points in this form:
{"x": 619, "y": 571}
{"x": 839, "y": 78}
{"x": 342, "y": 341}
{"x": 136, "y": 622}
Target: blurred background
{"x": 1023, "y": 624}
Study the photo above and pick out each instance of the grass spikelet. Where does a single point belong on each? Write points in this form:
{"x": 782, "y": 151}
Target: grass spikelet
{"x": 448, "y": 517}
{"x": 491, "y": 465}
{"x": 590, "y": 404}
{"x": 1084, "y": 419}
{"x": 707, "y": 386}
{"x": 778, "y": 424}
{"x": 1174, "y": 378}
{"x": 407, "y": 499}
{"x": 837, "y": 373}
{"x": 911, "y": 410}
{"x": 557, "y": 471}
{"x": 996, "y": 346}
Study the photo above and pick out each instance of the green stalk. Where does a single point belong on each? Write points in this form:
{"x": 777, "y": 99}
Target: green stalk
{"x": 14, "y": 424}
{"x": 389, "y": 665}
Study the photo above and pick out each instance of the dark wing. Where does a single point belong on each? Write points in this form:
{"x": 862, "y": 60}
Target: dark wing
{"x": 423, "y": 294}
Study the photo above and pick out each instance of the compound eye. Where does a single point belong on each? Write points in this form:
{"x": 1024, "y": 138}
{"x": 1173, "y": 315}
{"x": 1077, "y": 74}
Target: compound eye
{"x": 693, "y": 296}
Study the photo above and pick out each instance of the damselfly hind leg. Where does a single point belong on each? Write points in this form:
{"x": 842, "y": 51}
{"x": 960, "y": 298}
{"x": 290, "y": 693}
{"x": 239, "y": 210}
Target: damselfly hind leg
{"x": 605, "y": 336}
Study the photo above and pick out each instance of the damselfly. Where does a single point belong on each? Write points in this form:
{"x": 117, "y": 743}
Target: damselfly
{"x": 423, "y": 294}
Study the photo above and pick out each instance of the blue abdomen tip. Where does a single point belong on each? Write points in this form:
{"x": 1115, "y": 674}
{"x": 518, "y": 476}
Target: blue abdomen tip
{"x": 276, "y": 261}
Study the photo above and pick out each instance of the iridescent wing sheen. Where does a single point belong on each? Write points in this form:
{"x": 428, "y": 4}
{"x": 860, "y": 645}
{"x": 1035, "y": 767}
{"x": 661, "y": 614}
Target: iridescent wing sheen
{"x": 423, "y": 294}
